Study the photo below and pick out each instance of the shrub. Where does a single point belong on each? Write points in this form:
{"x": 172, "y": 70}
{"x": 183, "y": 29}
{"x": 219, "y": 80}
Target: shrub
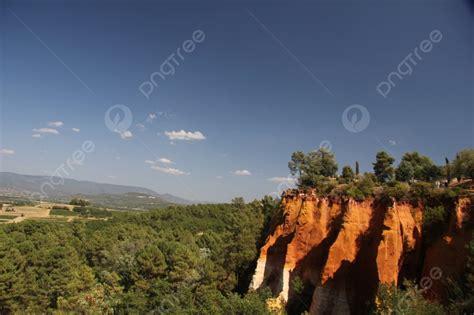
{"x": 56, "y": 207}
{"x": 433, "y": 216}
{"x": 79, "y": 202}
{"x": 399, "y": 191}
{"x": 63, "y": 212}
{"x": 392, "y": 300}
{"x": 92, "y": 212}
{"x": 421, "y": 190}
{"x": 433, "y": 222}
{"x": 359, "y": 190}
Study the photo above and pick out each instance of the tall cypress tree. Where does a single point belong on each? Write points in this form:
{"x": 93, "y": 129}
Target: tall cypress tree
{"x": 448, "y": 171}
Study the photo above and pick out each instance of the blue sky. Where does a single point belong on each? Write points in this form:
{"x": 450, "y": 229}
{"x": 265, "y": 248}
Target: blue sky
{"x": 267, "y": 80}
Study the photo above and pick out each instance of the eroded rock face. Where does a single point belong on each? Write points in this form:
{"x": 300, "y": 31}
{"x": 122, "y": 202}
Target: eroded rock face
{"x": 344, "y": 249}
{"x": 401, "y": 237}
{"x": 448, "y": 255}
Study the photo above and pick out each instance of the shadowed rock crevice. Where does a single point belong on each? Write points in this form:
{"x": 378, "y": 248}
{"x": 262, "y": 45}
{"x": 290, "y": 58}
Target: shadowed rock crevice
{"x": 275, "y": 263}
{"x": 364, "y": 271}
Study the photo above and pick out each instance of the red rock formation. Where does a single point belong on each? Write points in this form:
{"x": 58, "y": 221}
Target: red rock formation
{"x": 401, "y": 237}
{"x": 343, "y": 249}
{"x": 447, "y": 256}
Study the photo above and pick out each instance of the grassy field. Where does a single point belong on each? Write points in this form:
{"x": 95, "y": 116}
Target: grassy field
{"x": 63, "y": 212}
{"x": 15, "y": 211}
{"x": 8, "y": 216}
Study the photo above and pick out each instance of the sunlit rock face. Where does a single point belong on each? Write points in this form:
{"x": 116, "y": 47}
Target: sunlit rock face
{"x": 343, "y": 249}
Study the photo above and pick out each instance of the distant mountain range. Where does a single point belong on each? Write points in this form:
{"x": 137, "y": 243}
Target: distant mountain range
{"x": 13, "y": 184}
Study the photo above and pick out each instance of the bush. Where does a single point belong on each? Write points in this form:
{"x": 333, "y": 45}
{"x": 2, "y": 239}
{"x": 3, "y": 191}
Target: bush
{"x": 55, "y": 207}
{"x": 325, "y": 187}
{"x": 399, "y": 191}
{"x": 433, "y": 216}
{"x": 92, "y": 212}
{"x": 64, "y": 212}
{"x": 433, "y": 222}
{"x": 462, "y": 291}
{"x": 421, "y": 190}
{"x": 79, "y": 202}
{"x": 392, "y": 300}
{"x": 359, "y": 190}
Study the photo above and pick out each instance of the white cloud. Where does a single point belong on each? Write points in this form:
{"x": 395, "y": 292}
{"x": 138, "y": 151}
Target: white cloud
{"x": 165, "y": 161}
{"x": 46, "y": 130}
{"x": 55, "y": 124}
{"x": 219, "y": 177}
{"x": 141, "y": 127}
{"x": 242, "y": 173}
{"x": 150, "y": 117}
{"x": 6, "y": 152}
{"x": 126, "y": 135}
{"x": 77, "y": 162}
{"x": 150, "y": 162}
{"x": 112, "y": 176}
{"x": 282, "y": 179}
{"x": 168, "y": 170}
{"x": 36, "y": 135}
{"x": 76, "y": 129}
{"x": 184, "y": 135}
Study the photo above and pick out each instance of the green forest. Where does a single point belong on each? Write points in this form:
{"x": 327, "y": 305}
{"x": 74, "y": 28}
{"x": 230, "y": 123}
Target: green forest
{"x": 180, "y": 260}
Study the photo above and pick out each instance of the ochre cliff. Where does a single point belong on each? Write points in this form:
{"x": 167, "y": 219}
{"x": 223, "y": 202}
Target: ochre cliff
{"x": 343, "y": 249}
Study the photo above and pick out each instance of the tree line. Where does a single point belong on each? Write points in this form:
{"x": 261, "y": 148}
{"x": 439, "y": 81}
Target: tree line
{"x": 317, "y": 167}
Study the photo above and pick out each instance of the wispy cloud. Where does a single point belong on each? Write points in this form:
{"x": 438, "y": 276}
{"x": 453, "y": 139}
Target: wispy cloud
{"x": 141, "y": 127}
{"x": 162, "y": 160}
{"x": 76, "y": 129}
{"x": 46, "y": 130}
{"x": 169, "y": 170}
{"x": 36, "y": 135}
{"x": 165, "y": 161}
{"x": 77, "y": 162}
{"x": 282, "y": 179}
{"x": 150, "y": 117}
{"x": 55, "y": 124}
{"x": 126, "y": 135}
{"x": 6, "y": 152}
{"x": 184, "y": 135}
{"x": 242, "y": 173}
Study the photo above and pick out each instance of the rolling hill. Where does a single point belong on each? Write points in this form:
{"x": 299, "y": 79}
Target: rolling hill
{"x": 13, "y": 184}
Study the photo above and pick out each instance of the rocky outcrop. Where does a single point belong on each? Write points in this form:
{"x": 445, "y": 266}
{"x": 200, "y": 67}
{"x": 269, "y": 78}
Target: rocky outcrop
{"x": 401, "y": 238}
{"x": 343, "y": 249}
{"x": 448, "y": 255}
